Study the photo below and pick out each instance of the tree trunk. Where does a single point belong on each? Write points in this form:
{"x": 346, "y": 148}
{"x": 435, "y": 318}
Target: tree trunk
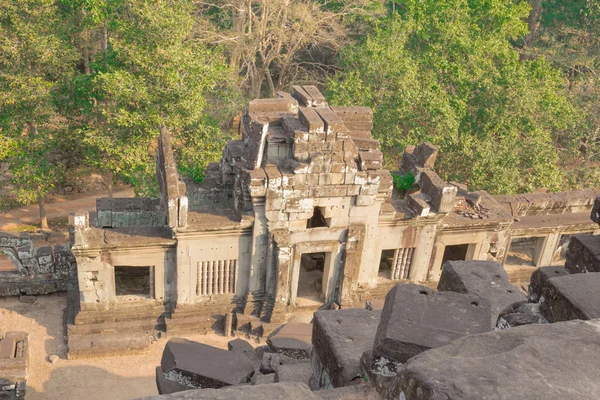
{"x": 109, "y": 182}
{"x": 43, "y": 218}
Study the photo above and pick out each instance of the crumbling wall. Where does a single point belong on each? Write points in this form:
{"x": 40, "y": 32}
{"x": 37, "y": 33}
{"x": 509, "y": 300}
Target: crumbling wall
{"x": 38, "y": 270}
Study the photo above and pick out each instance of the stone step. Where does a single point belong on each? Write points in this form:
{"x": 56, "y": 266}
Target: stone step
{"x": 194, "y": 325}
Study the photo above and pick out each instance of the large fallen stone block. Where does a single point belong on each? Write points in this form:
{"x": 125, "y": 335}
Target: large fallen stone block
{"x": 520, "y": 313}
{"x": 416, "y": 318}
{"x": 204, "y": 366}
{"x": 542, "y": 361}
{"x": 339, "y": 338}
{"x": 293, "y": 340}
{"x": 568, "y": 297}
{"x": 275, "y": 391}
{"x": 107, "y": 345}
{"x": 583, "y": 254}
{"x": 486, "y": 279}
{"x": 539, "y": 278}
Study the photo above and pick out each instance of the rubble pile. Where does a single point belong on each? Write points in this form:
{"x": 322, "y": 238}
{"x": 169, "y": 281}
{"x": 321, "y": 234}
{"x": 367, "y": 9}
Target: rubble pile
{"x": 476, "y": 337}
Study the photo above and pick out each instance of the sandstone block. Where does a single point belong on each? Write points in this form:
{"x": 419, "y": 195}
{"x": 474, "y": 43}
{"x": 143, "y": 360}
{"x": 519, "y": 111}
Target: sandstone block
{"x": 570, "y": 297}
{"x": 547, "y": 361}
{"x": 340, "y": 337}
{"x": 205, "y": 366}
{"x": 486, "y": 279}
{"x": 294, "y": 373}
{"x": 416, "y": 318}
{"x": 539, "y": 278}
{"x": 583, "y": 254}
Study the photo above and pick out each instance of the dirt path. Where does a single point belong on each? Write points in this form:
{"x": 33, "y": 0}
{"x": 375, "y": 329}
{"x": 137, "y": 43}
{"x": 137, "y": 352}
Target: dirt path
{"x": 59, "y": 207}
{"x": 115, "y": 378}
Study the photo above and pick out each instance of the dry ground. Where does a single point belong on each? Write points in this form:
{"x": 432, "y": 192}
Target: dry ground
{"x": 58, "y": 207}
{"x": 113, "y": 378}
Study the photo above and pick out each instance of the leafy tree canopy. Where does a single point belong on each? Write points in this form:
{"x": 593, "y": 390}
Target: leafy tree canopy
{"x": 446, "y": 71}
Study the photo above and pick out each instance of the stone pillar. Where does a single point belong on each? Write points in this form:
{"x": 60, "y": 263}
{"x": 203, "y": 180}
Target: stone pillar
{"x": 260, "y": 248}
{"x": 354, "y": 251}
{"x": 546, "y": 247}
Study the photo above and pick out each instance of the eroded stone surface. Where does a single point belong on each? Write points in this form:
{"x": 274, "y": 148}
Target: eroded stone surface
{"x": 275, "y": 391}
{"x": 574, "y": 296}
{"x": 486, "y": 279}
{"x": 339, "y": 339}
{"x": 206, "y": 366}
{"x": 547, "y": 361}
{"x": 583, "y": 254}
{"x": 416, "y": 318}
{"x": 539, "y": 278}
{"x": 520, "y": 313}
{"x": 293, "y": 373}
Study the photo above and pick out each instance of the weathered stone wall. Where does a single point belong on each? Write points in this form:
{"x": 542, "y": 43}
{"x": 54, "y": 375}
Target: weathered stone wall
{"x": 38, "y": 270}
{"x": 116, "y": 213}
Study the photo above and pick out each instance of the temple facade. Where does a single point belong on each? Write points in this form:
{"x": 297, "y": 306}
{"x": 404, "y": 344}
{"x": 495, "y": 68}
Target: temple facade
{"x": 299, "y": 214}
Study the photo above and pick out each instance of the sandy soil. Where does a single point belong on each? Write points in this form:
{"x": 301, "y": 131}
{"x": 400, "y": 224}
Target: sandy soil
{"x": 59, "y": 207}
{"x": 114, "y": 378}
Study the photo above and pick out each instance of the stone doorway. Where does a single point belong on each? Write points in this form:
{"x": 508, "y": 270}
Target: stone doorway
{"x": 310, "y": 279}
{"x": 457, "y": 252}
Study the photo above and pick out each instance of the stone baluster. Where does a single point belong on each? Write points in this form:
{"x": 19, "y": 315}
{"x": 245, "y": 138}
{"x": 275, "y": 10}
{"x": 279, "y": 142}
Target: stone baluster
{"x": 209, "y": 289}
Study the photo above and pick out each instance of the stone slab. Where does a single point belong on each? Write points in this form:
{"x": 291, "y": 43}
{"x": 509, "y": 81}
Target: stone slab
{"x": 539, "y": 278}
{"x": 546, "y": 361}
{"x": 340, "y": 337}
{"x": 205, "y": 365}
{"x": 293, "y": 340}
{"x": 416, "y": 318}
{"x": 293, "y": 373}
{"x": 486, "y": 279}
{"x": 275, "y": 391}
{"x": 106, "y": 345}
{"x": 575, "y": 296}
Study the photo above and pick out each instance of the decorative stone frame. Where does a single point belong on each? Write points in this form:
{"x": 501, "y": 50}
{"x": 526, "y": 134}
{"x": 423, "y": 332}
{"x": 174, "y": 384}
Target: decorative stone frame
{"x": 332, "y": 250}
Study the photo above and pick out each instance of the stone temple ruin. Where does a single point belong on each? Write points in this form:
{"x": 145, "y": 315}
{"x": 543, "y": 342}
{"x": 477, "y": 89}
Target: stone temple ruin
{"x": 299, "y": 214}
{"x": 435, "y": 293}
{"x": 477, "y": 336}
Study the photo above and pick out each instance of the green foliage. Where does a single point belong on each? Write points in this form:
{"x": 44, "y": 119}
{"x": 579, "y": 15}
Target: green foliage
{"x": 33, "y": 58}
{"x": 446, "y": 72}
{"x": 154, "y": 71}
{"x": 403, "y": 182}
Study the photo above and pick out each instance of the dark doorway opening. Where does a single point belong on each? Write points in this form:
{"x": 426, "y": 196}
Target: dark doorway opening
{"x": 317, "y": 220}
{"x": 133, "y": 281}
{"x": 456, "y": 252}
{"x": 310, "y": 280}
{"x": 386, "y": 263}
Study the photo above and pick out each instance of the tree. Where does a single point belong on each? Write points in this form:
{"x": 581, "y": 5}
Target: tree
{"x": 567, "y": 34}
{"x": 33, "y": 58}
{"x": 447, "y": 72}
{"x": 283, "y": 41}
{"x": 150, "y": 69}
